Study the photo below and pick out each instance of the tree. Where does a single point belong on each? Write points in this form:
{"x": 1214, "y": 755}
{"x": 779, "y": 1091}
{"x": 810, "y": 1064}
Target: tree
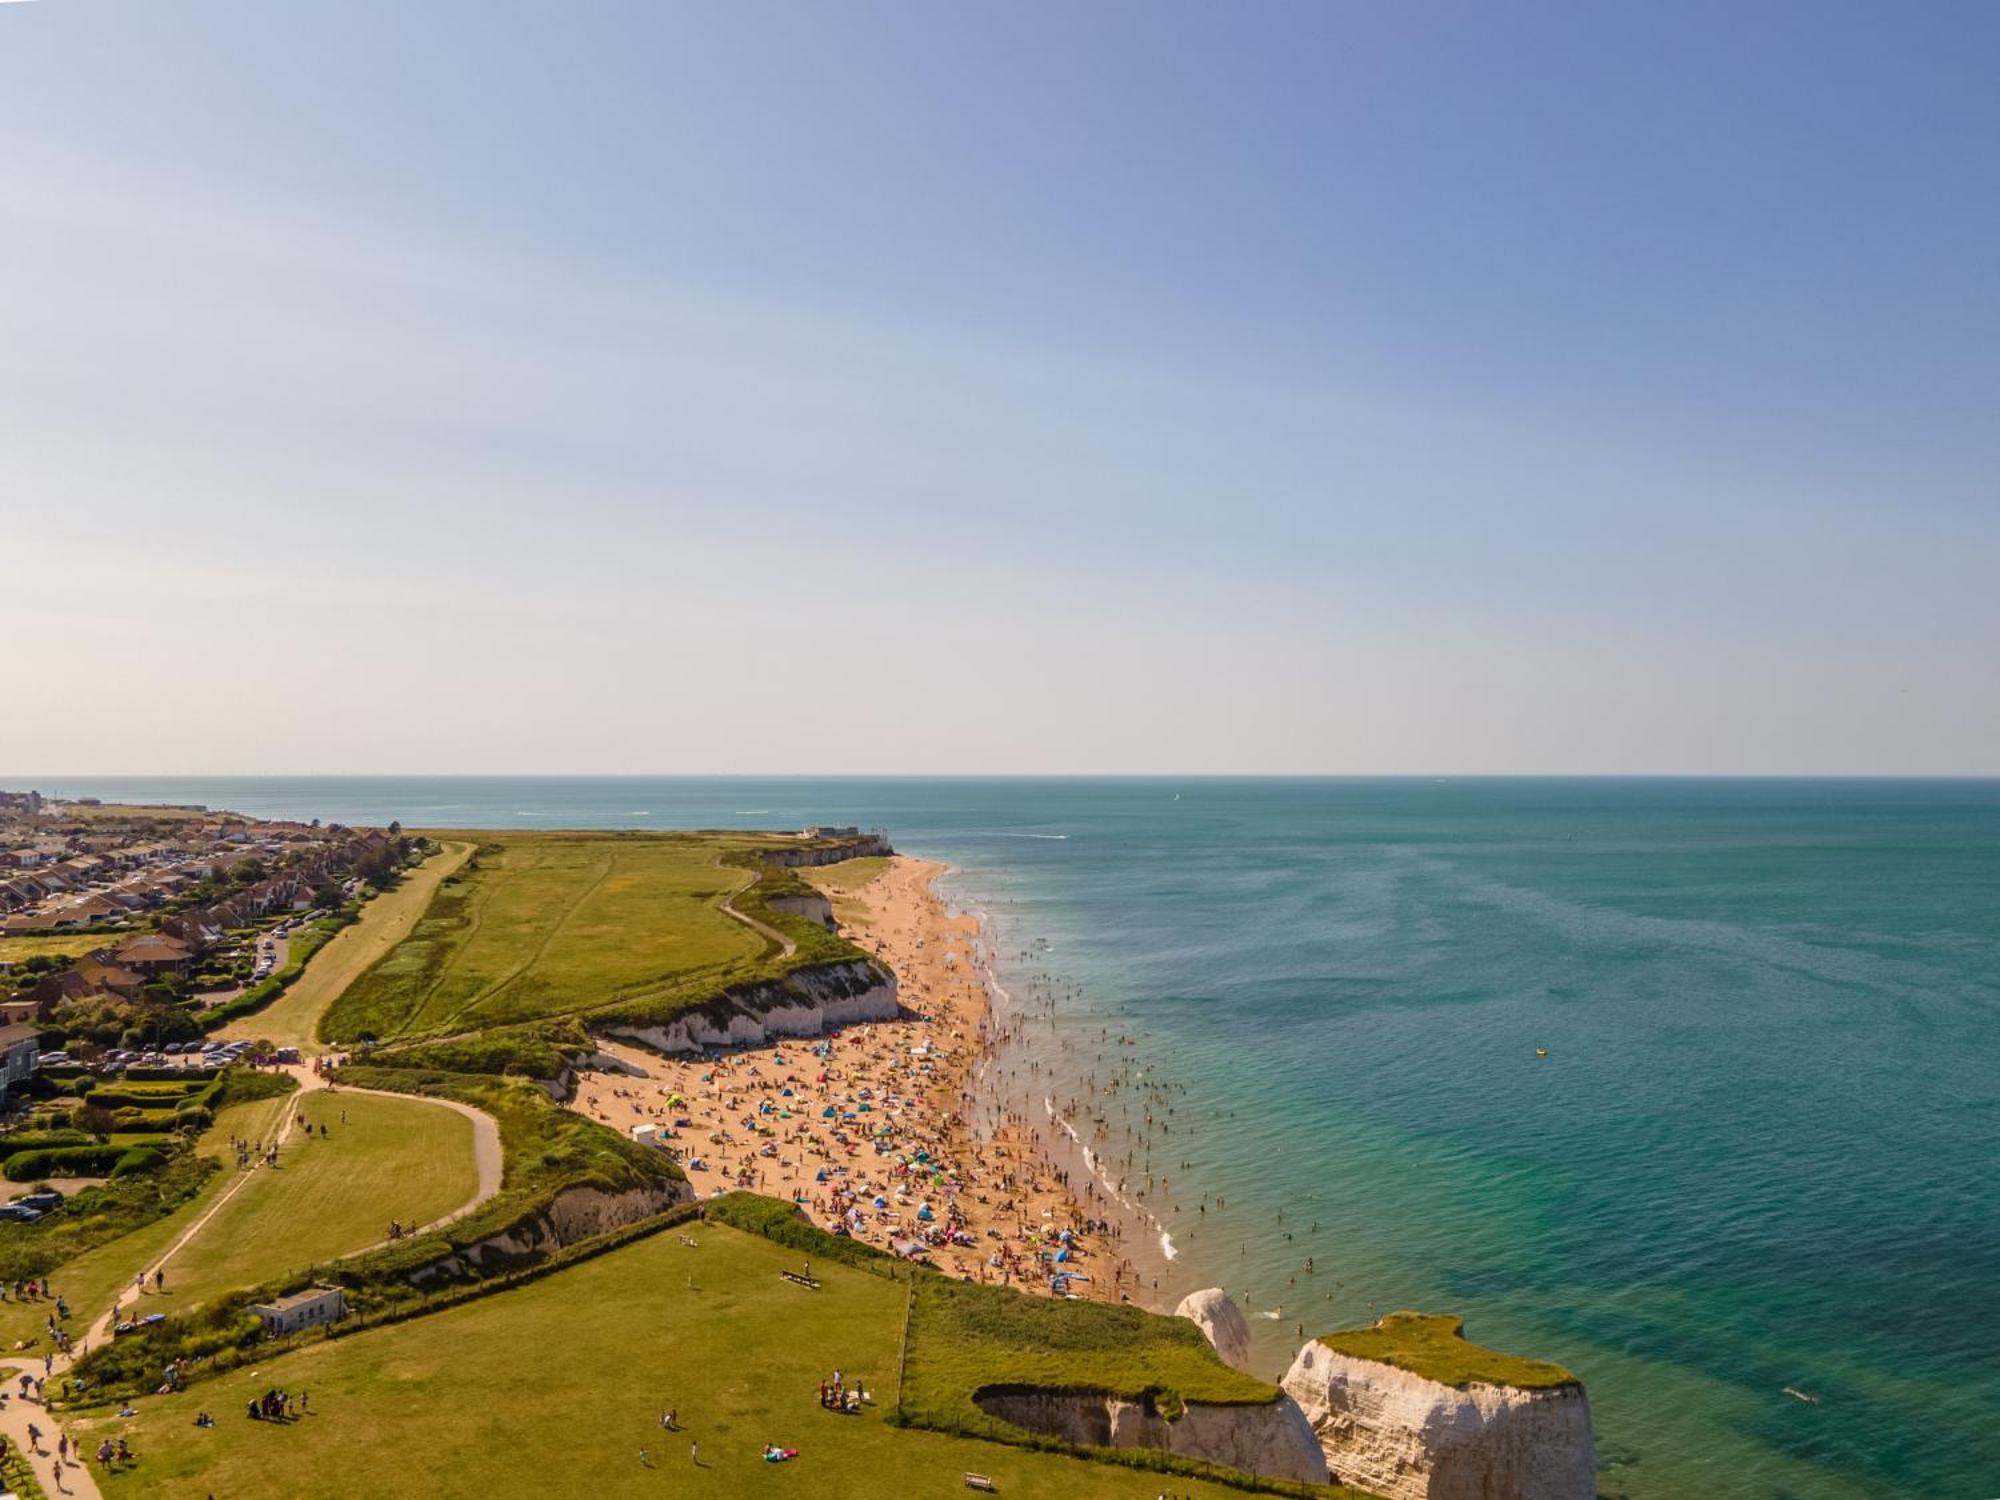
{"x": 95, "y": 1119}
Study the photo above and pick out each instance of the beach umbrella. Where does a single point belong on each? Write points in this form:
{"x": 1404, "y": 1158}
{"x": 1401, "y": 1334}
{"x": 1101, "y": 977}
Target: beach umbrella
{"x": 827, "y": 1113}
{"x": 880, "y": 1201}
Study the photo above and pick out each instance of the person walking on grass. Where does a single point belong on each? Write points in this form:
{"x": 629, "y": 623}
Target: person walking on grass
{"x": 694, "y": 1453}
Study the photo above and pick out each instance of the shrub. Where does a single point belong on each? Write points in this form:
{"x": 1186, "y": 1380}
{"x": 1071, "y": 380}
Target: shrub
{"x": 137, "y": 1160}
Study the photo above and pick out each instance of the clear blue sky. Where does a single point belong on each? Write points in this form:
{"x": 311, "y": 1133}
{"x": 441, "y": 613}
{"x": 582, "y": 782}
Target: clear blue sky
{"x": 1319, "y": 387}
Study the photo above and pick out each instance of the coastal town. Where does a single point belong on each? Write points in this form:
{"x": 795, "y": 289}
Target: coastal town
{"x": 130, "y": 933}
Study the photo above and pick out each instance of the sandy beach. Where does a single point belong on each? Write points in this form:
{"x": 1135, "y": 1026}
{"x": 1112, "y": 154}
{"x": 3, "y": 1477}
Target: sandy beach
{"x": 883, "y": 1131}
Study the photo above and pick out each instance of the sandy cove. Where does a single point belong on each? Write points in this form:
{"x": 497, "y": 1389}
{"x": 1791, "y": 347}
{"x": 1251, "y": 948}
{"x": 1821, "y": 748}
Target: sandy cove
{"x": 869, "y": 1128}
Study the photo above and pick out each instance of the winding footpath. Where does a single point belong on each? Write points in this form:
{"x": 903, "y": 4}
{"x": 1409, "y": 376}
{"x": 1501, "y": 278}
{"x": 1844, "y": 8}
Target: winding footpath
{"x": 762, "y": 929}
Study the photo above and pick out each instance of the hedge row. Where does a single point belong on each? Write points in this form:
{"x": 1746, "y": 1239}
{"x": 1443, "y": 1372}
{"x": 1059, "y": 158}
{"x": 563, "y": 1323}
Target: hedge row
{"x": 63, "y": 1161}
{"x": 41, "y": 1140}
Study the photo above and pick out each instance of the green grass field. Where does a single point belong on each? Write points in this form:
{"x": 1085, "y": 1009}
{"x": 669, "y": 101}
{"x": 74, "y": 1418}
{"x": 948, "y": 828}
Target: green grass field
{"x": 964, "y": 1336}
{"x": 1435, "y": 1346}
{"x": 553, "y": 1388}
{"x": 559, "y": 923}
{"x": 18, "y": 949}
{"x": 292, "y": 1020}
{"x": 394, "y": 1158}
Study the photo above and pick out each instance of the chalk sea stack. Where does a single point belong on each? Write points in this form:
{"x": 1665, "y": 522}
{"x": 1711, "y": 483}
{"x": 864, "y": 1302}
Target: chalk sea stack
{"x": 1410, "y": 1410}
{"x": 1221, "y": 1321}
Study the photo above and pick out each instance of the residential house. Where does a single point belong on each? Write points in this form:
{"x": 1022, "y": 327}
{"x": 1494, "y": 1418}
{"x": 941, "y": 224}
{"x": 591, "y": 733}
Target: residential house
{"x": 156, "y": 953}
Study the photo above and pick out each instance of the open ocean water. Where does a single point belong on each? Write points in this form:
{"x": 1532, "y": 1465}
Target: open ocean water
{"x": 1763, "y": 1150}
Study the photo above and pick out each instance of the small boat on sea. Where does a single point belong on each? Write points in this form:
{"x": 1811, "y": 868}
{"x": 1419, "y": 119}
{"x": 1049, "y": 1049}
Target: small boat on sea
{"x": 1798, "y": 1395}
{"x": 1541, "y": 1052}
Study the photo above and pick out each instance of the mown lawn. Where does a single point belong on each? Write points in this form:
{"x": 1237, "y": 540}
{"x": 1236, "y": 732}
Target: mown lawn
{"x": 551, "y": 1390}
{"x": 393, "y": 1158}
{"x": 292, "y": 1020}
{"x": 556, "y": 923}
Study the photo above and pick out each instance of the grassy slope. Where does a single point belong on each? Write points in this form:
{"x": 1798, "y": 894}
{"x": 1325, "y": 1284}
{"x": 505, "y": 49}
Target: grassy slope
{"x": 394, "y": 1158}
{"x": 847, "y": 874}
{"x": 552, "y": 1389}
{"x": 561, "y": 923}
{"x": 293, "y": 1018}
{"x": 1434, "y": 1346}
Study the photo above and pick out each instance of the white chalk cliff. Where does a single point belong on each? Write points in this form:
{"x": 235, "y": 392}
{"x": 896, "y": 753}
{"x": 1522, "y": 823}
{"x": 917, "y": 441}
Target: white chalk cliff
{"x": 1406, "y": 1437}
{"x": 1221, "y": 1322}
{"x": 807, "y": 1002}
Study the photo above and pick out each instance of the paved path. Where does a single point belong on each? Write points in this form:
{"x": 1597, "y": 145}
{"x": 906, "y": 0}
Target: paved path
{"x": 73, "y": 1478}
{"x": 485, "y": 1155}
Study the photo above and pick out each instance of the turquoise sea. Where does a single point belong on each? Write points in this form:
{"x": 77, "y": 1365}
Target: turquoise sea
{"x": 1763, "y": 1150}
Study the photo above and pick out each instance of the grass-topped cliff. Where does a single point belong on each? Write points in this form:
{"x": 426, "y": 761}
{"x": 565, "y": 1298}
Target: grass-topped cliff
{"x": 628, "y": 927}
{"x": 1434, "y": 1346}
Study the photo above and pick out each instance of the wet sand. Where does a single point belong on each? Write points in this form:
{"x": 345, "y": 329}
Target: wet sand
{"x": 895, "y": 1130}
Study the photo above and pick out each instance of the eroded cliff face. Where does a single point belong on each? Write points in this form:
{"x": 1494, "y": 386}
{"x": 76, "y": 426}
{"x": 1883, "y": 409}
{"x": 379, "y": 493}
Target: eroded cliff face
{"x": 1404, "y": 1437}
{"x": 861, "y": 846}
{"x": 1221, "y": 1322}
{"x": 815, "y": 909}
{"x": 1274, "y": 1440}
{"x": 575, "y": 1214}
{"x": 806, "y": 1002}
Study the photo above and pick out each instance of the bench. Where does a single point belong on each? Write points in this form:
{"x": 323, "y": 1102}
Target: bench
{"x": 979, "y": 1482}
{"x": 797, "y": 1280}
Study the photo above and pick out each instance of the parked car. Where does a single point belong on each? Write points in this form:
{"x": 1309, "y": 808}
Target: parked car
{"x": 19, "y": 1212}
{"x": 45, "y": 1201}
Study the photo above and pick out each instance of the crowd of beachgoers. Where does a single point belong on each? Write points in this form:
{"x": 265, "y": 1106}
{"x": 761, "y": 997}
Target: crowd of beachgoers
{"x": 878, "y": 1131}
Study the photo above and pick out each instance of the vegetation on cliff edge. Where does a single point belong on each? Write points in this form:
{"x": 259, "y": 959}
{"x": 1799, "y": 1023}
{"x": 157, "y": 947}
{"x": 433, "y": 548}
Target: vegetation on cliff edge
{"x": 1434, "y": 1346}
